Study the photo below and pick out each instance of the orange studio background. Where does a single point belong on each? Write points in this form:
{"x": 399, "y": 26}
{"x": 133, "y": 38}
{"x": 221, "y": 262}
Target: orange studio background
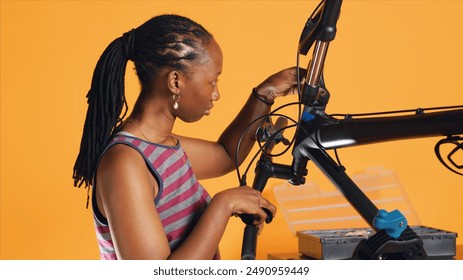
{"x": 387, "y": 55}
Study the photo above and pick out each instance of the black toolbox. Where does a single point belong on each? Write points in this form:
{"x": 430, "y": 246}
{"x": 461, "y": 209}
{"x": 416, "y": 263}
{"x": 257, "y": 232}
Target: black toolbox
{"x": 340, "y": 243}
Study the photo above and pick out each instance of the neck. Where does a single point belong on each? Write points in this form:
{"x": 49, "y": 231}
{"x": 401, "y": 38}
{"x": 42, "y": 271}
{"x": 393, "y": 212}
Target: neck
{"x": 151, "y": 117}
{"x": 142, "y": 132}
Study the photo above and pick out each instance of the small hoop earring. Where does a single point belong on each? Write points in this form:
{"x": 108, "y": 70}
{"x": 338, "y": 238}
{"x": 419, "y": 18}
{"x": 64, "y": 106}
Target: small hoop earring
{"x": 176, "y": 98}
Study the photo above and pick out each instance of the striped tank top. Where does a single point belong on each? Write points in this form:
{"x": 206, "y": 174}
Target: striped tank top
{"x": 180, "y": 200}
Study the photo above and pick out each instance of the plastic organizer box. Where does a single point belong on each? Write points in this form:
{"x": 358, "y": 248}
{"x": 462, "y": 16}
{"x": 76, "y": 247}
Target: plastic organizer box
{"x": 328, "y": 227}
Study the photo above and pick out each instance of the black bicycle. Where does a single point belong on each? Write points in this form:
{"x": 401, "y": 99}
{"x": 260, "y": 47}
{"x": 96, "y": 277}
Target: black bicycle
{"x": 317, "y": 132}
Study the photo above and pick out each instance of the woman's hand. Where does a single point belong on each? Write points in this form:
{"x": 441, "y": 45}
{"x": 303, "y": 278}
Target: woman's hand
{"x": 279, "y": 84}
{"x": 245, "y": 200}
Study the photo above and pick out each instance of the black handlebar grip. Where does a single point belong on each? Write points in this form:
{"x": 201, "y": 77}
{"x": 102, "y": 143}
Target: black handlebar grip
{"x": 248, "y": 251}
{"x": 249, "y": 219}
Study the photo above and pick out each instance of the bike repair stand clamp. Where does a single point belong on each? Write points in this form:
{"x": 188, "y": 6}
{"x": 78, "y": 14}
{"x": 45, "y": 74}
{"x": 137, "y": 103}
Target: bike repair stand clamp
{"x": 393, "y": 240}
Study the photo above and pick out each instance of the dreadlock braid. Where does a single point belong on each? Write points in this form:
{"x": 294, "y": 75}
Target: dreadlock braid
{"x": 163, "y": 41}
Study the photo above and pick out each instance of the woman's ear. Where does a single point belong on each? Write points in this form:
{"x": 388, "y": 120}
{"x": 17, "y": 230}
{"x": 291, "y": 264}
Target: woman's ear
{"x": 173, "y": 82}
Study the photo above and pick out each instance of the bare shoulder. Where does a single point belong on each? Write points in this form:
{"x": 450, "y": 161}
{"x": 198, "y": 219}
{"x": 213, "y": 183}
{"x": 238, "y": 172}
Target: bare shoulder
{"x": 118, "y": 158}
{"x": 124, "y": 167}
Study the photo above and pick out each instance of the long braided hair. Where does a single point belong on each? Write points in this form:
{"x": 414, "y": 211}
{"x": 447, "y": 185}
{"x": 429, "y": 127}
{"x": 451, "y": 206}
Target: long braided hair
{"x": 163, "y": 41}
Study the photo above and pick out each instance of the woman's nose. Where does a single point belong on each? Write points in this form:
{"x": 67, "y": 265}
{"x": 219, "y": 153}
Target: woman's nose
{"x": 216, "y": 94}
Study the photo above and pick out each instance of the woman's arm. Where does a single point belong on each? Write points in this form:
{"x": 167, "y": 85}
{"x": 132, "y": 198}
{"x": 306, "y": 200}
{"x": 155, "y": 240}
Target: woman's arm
{"x": 204, "y": 239}
{"x": 125, "y": 196}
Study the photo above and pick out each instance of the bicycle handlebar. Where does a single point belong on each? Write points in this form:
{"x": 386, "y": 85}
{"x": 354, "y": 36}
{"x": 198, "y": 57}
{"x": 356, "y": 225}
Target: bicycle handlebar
{"x": 264, "y": 171}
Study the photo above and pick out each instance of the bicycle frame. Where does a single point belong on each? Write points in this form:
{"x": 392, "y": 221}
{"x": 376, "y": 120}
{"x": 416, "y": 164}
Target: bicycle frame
{"x": 318, "y": 132}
